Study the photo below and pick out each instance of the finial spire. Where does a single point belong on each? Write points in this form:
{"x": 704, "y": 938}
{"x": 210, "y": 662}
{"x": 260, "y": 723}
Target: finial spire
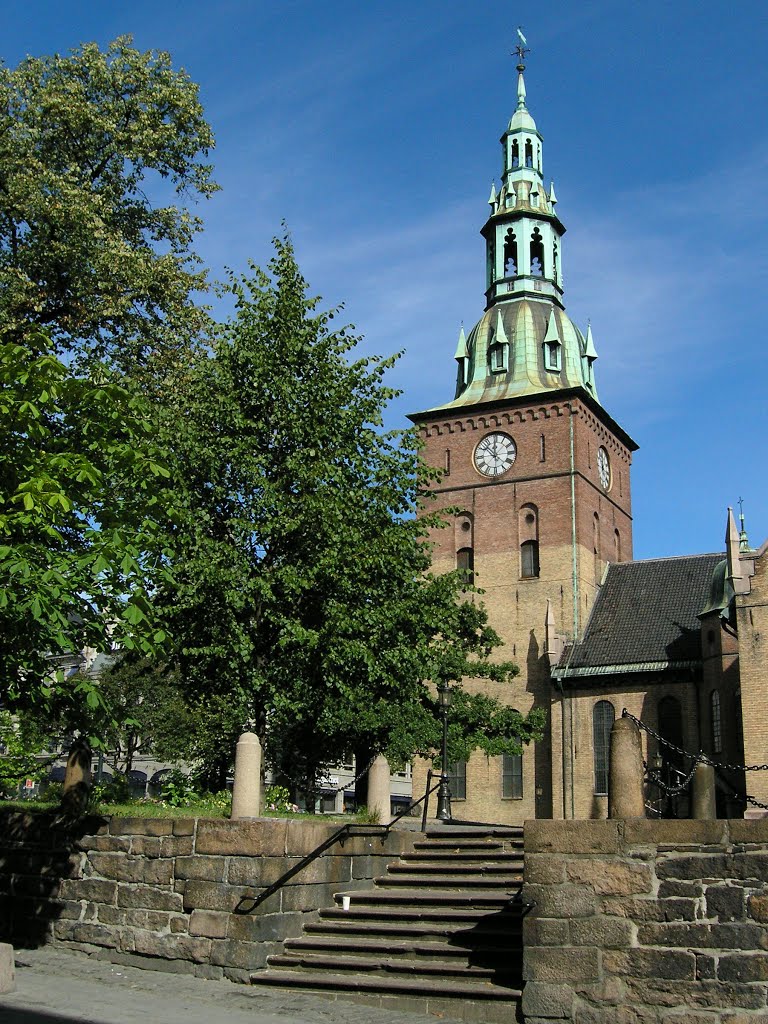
{"x": 522, "y": 47}
{"x": 520, "y": 51}
{"x": 743, "y": 539}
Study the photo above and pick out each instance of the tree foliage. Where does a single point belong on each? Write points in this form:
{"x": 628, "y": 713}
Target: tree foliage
{"x": 83, "y": 493}
{"x": 97, "y": 311}
{"x": 93, "y": 146}
{"x": 303, "y": 586}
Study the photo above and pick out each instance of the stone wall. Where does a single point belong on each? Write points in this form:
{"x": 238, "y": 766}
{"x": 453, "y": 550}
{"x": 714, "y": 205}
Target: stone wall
{"x": 646, "y": 922}
{"x": 164, "y": 892}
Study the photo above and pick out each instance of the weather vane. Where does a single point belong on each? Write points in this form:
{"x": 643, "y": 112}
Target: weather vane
{"x": 522, "y": 47}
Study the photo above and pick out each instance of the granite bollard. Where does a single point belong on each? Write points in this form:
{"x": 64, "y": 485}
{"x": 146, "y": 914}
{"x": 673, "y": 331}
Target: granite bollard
{"x": 246, "y": 791}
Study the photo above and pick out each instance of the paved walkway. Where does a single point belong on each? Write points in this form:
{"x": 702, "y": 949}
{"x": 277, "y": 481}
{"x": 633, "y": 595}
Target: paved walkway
{"x": 56, "y": 986}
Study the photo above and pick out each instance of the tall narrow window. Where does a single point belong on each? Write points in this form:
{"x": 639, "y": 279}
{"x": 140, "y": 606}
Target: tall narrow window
{"x": 537, "y": 253}
{"x": 457, "y": 780}
{"x": 510, "y": 254}
{"x": 554, "y": 262}
{"x": 515, "y": 154}
{"x": 465, "y": 563}
{"x": 596, "y": 548}
{"x": 512, "y": 777}
{"x": 542, "y": 449}
{"x": 552, "y": 357}
{"x": 616, "y": 546}
{"x": 528, "y": 153}
{"x": 671, "y": 729}
{"x": 603, "y": 715}
{"x": 717, "y": 724}
{"x": 528, "y": 531}
{"x": 529, "y": 559}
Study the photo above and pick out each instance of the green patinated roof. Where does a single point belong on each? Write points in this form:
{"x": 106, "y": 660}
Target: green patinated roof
{"x": 523, "y": 324}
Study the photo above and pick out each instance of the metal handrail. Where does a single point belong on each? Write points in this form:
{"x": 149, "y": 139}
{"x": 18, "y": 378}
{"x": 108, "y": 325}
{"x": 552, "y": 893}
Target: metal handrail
{"x": 247, "y": 904}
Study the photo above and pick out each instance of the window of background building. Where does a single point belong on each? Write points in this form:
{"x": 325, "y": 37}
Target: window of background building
{"x": 457, "y": 780}
{"x": 603, "y": 715}
{"x": 717, "y": 724}
{"x": 512, "y": 776}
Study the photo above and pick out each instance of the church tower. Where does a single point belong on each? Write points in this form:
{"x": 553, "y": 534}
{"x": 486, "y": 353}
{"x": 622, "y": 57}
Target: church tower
{"x": 539, "y": 473}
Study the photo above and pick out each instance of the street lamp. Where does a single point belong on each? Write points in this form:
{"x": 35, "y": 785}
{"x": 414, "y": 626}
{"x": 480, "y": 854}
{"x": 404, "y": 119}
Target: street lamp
{"x": 444, "y": 792}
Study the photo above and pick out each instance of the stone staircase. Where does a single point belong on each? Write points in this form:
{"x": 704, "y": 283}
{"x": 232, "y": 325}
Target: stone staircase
{"x": 440, "y": 933}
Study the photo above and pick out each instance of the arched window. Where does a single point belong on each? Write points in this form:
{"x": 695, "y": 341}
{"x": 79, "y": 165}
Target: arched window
{"x": 671, "y": 729}
{"x": 717, "y": 723}
{"x": 538, "y": 158}
{"x": 515, "y": 151}
{"x": 616, "y": 546}
{"x": 537, "y": 254}
{"x": 512, "y": 777}
{"x": 554, "y": 261}
{"x": 603, "y": 716}
{"x": 528, "y": 153}
{"x": 596, "y": 548}
{"x": 465, "y": 563}
{"x": 510, "y": 254}
{"x": 542, "y": 449}
{"x": 491, "y": 266}
{"x": 528, "y": 531}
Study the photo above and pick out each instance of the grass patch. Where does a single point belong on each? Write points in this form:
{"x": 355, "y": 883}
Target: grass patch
{"x": 152, "y": 809}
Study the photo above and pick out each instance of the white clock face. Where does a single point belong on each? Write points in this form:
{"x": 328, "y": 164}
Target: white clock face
{"x": 603, "y": 468}
{"x": 495, "y": 454}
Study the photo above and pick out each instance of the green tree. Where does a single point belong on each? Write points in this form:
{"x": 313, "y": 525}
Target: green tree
{"x": 82, "y": 522}
{"x": 92, "y": 148}
{"x": 303, "y": 584}
{"x": 97, "y": 314}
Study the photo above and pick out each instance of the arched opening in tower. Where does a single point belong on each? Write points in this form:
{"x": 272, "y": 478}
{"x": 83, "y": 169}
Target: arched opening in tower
{"x": 537, "y": 254}
{"x": 528, "y": 153}
{"x": 515, "y": 154}
{"x": 510, "y": 254}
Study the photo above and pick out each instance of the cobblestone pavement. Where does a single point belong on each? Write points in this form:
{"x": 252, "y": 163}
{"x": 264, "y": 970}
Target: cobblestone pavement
{"x": 57, "y": 986}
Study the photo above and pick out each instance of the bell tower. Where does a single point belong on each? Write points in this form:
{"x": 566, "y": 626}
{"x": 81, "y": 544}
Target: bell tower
{"x": 537, "y": 468}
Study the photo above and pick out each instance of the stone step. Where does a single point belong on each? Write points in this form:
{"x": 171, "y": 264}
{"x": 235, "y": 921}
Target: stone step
{"x": 463, "y": 857}
{"x": 460, "y": 846}
{"x": 479, "y": 953}
{"x": 384, "y": 965}
{"x": 450, "y": 867}
{"x": 427, "y": 897}
{"x": 462, "y": 882}
{"x": 440, "y": 914}
{"x": 460, "y": 933}
{"x": 474, "y": 832}
{"x": 478, "y": 990}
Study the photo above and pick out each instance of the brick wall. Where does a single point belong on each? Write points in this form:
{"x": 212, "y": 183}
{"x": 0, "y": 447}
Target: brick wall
{"x": 163, "y": 892}
{"x": 752, "y": 618}
{"x": 494, "y": 516}
{"x": 646, "y": 922}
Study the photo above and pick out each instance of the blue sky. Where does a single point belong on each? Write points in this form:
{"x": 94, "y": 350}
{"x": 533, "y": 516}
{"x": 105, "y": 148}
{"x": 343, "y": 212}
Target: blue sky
{"x": 372, "y": 129}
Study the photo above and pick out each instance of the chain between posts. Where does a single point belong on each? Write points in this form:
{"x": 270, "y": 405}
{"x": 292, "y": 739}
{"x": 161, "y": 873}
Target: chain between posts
{"x": 700, "y": 758}
{"x": 349, "y": 785}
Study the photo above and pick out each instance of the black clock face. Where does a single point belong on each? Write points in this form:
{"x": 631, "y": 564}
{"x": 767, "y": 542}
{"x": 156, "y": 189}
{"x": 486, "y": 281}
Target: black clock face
{"x": 495, "y": 454}
{"x": 603, "y": 468}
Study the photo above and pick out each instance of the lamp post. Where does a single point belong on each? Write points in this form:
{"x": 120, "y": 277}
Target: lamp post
{"x": 444, "y": 792}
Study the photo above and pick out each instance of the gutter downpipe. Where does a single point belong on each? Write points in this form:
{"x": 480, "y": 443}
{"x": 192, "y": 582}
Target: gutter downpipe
{"x": 575, "y": 595}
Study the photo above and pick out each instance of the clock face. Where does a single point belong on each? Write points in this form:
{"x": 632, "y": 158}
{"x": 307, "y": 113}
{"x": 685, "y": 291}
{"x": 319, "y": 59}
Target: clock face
{"x": 603, "y": 468}
{"x": 495, "y": 454}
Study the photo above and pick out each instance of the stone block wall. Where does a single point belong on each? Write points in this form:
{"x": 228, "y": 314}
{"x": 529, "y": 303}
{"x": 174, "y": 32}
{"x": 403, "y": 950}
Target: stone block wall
{"x": 164, "y": 892}
{"x": 646, "y": 922}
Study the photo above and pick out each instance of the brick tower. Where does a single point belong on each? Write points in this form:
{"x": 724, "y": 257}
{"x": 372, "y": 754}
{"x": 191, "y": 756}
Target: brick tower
{"x": 539, "y": 471}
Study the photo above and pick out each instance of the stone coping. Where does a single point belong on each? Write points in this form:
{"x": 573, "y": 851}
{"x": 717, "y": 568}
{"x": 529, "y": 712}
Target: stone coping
{"x": 613, "y": 836}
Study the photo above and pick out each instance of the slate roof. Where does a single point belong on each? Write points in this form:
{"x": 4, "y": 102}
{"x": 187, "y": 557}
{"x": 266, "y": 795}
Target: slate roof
{"x": 645, "y": 618}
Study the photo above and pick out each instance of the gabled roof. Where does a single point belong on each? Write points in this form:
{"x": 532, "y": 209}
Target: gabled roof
{"x": 645, "y": 618}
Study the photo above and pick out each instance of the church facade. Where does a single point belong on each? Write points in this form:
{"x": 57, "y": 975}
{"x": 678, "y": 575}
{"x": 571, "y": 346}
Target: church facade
{"x": 539, "y": 472}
